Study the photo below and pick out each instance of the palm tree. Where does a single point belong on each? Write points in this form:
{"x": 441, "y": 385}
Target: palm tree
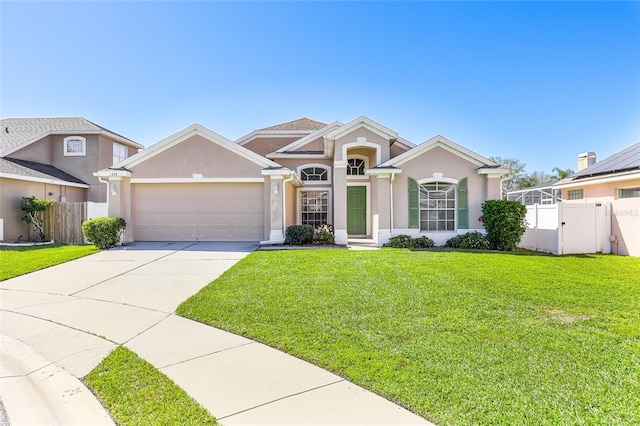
{"x": 559, "y": 174}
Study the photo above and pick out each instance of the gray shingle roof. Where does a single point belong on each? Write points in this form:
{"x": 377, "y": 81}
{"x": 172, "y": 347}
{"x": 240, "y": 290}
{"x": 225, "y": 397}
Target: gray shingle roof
{"x": 16, "y": 131}
{"x": 627, "y": 159}
{"x": 32, "y": 169}
{"x": 299, "y": 124}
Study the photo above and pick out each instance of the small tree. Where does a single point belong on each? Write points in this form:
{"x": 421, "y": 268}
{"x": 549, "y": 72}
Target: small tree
{"x": 33, "y": 209}
{"x": 504, "y": 222}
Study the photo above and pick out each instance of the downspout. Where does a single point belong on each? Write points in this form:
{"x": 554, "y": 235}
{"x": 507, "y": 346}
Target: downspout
{"x": 106, "y": 183}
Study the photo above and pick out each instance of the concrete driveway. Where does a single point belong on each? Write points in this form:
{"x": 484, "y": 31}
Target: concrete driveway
{"x": 59, "y": 323}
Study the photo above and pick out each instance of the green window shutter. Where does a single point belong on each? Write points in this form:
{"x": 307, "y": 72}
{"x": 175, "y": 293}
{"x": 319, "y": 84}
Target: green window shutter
{"x": 414, "y": 204}
{"x": 463, "y": 205}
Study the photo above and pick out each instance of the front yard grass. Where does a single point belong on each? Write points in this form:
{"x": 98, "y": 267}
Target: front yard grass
{"x": 457, "y": 337}
{"x": 136, "y": 393}
{"x": 16, "y": 261}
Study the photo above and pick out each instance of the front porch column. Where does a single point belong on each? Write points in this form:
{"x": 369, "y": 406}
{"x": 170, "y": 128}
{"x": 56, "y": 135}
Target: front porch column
{"x": 340, "y": 202}
{"x": 382, "y": 231}
{"x": 276, "y": 192}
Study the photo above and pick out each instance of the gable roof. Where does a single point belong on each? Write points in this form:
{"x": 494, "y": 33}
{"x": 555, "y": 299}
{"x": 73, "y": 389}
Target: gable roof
{"x": 16, "y": 133}
{"x": 627, "y": 159}
{"x": 449, "y": 145}
{"x": 294, "y": 147}
{"x": 12, "y": 168}
{"x": 186, "y": 133}
{"x": 303, "y": 123}
{"x": 365, "y": 122}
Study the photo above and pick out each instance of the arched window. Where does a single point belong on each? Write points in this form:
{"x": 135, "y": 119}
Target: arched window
{"x": 437, "y": 206}
{"x": 356, "y": 167}
{"x": 314, "y": 174}
{"x": 75, "y": 146}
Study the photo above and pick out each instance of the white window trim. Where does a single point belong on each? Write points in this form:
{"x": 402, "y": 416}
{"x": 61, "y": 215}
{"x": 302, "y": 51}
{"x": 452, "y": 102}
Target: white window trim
{"x": 368, "y": 186}
{"x": 315, "y": 189}
{"x": 617, "y": 195}
{"x": 315, "y": 182}
{"x": 74, "y": 154}
{"x": 366, "y": 167}
{"x": 451, "y": 181}
{"x": 126, "y": 152}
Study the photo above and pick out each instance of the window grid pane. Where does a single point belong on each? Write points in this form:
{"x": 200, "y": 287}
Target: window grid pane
{"x": 629, "y": 192}
{"x": 314, "y": 174}
{"x": 437, "y": 206}
{"x": 314, "y": 206}
{"x": 355, "y": 167}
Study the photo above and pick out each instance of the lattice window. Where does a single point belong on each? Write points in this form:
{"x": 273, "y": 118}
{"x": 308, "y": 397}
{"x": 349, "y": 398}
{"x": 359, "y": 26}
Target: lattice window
{"x": 314, "y": 207}
{"x": 314, "y": 174}
{"x": 437, "y": 206}
{"x": 355, "y": 167}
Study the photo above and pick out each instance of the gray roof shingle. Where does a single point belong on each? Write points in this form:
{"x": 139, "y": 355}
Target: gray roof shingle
{"x": 299, "y": 124}
{"x": 16, "y": 131}
{"x": 627, "y": 159}
{"x": 30, "y": 169}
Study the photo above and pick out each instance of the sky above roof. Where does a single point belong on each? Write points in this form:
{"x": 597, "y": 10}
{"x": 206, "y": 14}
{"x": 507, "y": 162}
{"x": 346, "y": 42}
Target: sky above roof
{"x": 537, "y": 81}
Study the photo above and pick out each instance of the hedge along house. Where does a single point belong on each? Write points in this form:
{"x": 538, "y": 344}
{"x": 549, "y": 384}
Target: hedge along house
{"x": 360, "y": 176}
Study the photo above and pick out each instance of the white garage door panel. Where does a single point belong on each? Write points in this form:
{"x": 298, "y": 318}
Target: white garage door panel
{"x": 198, "y": 212}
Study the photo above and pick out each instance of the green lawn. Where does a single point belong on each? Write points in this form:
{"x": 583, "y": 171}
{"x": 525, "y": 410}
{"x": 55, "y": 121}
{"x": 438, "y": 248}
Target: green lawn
{"x": 16, "y": 261}
{"x": 457, "y": 337}
{"x": 138, "y": 394}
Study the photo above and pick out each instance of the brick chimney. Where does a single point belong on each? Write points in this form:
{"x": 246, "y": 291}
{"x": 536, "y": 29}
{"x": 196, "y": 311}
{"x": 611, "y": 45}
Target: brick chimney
{"x": 586, "y": 159}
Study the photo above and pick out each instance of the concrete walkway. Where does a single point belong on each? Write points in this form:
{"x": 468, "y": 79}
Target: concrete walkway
{"x": 59, "y": 323}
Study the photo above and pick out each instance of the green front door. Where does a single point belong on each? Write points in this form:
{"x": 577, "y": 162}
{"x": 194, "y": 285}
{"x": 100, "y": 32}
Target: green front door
{"x": 356, "y": 210}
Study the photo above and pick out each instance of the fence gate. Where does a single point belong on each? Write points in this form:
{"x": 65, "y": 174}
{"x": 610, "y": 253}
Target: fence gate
{"x": 63, "y": 222}
{"x": 568, "y": 228}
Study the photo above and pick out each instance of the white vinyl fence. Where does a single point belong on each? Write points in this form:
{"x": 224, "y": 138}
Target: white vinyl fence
{"x": 568, "y": 228}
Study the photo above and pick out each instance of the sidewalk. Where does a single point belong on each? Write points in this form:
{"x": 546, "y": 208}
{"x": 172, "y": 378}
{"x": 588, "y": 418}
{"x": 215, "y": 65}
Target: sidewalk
{"x": 70, "y": 316}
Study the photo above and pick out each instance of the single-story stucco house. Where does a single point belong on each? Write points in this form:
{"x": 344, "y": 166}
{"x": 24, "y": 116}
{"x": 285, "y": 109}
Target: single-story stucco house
{"x": 361, "y": 177}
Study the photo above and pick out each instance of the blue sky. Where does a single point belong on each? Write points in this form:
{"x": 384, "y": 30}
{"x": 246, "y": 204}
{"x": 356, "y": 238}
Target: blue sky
{"x": 537, "y": 81}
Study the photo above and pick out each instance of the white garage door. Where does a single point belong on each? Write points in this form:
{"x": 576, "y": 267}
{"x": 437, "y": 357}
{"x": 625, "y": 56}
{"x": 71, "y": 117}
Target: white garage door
{"x": 198, "y": 212}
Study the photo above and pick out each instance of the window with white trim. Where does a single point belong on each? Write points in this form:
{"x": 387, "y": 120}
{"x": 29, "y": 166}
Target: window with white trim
{"x": 75, "y": 146}
{"x": 629, "y": 192}
{"x": 314, "y": 174}
{"x": 314, "y": 207}
{"x": 356, "y": 167}
{"x": 576, "y": 194}
{"x": 119, "y": 152}
{"x": 437, "y": 206}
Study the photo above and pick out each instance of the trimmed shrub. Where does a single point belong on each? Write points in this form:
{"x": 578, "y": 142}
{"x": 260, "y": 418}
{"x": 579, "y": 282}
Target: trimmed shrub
{"x": 470, "y": 240}
{"x": 504, "y": 222}
{"x": 103, "y": 232}
{"x": 405, "y": 241}
{"x": 298, "y": 235}
{"x": 323, "y": 234}
{"x": 423, "y": 242}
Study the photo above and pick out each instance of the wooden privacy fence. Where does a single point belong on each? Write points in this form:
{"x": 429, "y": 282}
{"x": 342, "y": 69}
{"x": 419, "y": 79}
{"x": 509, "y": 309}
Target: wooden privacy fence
{"x": 63, "y": 221}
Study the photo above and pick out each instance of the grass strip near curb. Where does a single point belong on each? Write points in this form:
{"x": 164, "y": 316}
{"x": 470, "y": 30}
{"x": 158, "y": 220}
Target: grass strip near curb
{"x": 15, "y": 261}
{"x": 136, "y": 393}
{"x": 458, "y": 337}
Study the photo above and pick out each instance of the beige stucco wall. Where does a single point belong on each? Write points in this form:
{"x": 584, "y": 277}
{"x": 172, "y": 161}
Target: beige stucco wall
{"x": 11, "y": 193}
{"x": 439, "y": 160}
{"x": 625, "y": 225}
{"x": 197, "y": 155}
{"x": 99, "y": 155}
{"x": 395, "y": 150}
{"x": 264, "y": 146}
{"x": 604, "y": 192}
{"x": 291, "y": 207}
{"x": 370, "y": 136}
{"x": 314, "y": 145}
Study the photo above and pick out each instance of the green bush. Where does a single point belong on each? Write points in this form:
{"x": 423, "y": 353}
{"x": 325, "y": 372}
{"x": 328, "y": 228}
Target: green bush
{"x": 298, "y": 235}
{"x": 323, "y": 234}
{"x": 405, "y": 241}
{"x": 470, "y": 240}
{"x": 504, "y": 222}
{"x": 33, "y": 209}
{"x": 103, "y": 232}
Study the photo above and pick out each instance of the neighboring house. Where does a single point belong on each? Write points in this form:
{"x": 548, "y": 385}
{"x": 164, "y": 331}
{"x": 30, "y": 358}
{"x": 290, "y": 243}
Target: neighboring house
{"x": 360, "y": 176}
{"x": 53, "y": 158}
{"x": 614, "y": 180}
